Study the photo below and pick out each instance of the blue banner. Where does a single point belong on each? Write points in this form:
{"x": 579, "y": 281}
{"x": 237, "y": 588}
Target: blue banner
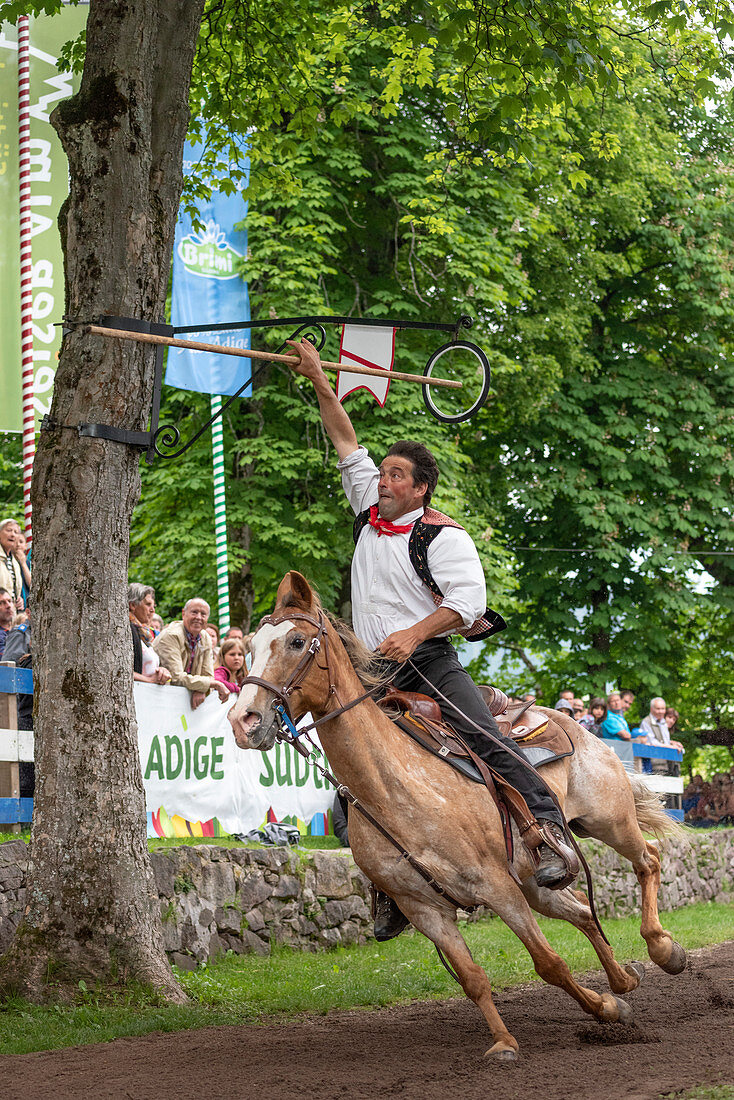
{"x": 207, "y": 290}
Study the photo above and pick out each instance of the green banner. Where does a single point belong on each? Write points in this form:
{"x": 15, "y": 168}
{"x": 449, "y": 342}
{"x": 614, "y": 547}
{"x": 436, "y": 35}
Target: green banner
{"x": 49, "y": 188}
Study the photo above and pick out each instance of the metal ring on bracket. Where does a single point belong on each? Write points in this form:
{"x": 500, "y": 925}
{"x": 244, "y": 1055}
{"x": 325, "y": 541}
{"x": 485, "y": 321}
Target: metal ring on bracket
{"x": 438, "y": 401}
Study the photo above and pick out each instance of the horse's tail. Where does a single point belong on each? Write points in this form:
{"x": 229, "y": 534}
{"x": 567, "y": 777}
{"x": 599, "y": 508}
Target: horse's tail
{"x": 651, "y": 815}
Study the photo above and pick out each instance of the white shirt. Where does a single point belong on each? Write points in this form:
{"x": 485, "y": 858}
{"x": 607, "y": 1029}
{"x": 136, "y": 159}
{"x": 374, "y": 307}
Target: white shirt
{"x": 151, "y": 660}
{"x": 387, "y": 593}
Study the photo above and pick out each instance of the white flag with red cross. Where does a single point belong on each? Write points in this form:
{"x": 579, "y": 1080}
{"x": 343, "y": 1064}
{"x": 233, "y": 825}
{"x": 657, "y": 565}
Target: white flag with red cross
{"x": 368, "y": 346}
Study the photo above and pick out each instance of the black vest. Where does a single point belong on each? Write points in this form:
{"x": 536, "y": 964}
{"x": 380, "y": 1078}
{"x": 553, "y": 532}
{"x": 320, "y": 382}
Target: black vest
{"x": 424, "y": 532}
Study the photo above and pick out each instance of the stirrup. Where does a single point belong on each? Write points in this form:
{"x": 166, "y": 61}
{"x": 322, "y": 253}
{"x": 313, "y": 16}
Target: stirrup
{"x": 565, "y": 868}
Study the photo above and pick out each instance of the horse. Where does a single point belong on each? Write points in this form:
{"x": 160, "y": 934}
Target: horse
{"x": 449, "y": 824}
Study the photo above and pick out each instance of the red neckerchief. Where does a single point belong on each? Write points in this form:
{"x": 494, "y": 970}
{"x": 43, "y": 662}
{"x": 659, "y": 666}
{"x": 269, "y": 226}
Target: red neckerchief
{"x": 385, "y": 527}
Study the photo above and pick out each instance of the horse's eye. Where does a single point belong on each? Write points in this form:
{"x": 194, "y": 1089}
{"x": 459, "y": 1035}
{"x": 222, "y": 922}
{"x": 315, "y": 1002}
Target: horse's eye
{"x": 298, "y": 642}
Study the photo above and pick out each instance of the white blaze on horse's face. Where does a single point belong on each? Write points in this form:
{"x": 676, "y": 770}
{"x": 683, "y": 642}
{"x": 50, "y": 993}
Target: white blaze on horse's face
{"x": 248, "y": 714}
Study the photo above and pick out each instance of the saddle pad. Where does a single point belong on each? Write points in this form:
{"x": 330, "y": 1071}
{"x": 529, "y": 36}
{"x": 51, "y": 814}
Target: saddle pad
{"x": 537, "y": 755}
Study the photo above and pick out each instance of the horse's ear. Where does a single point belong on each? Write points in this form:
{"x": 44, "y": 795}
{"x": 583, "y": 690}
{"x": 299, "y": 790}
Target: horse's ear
{"x": 295, "y": 591}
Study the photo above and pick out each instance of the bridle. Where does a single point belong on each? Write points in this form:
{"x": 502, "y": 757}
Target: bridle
{"x": 298, "y": 675}
{"x": 282, "y": 695}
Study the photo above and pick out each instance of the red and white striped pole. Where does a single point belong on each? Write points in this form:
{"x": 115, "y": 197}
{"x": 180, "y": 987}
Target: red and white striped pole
{"x": 26, "y": 291}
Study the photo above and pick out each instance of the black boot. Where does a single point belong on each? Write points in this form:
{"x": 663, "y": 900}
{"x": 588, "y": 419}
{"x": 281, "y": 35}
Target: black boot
{"x": 558, "y": 863}
{"x": 389, "y": 921}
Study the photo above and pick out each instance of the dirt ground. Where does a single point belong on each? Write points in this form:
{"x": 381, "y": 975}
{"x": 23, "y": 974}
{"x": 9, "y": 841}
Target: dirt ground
{"x": 683, "y": 1036}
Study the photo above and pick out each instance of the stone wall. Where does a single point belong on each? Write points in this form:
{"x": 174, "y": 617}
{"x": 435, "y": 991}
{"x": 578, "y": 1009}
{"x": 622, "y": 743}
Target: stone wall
{"x": 214, "y": 899}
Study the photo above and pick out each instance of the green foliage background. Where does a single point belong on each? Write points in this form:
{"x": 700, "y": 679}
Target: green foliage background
{"x": 561, "y": 172}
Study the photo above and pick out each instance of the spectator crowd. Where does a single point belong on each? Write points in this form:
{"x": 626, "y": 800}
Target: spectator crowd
{"x": 186, "y": 652}
{"x": 706, "y": 804}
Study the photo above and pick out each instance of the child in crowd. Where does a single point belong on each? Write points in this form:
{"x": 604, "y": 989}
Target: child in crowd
{"x": 231, "y": 664}
{"x": 594, "y": 717}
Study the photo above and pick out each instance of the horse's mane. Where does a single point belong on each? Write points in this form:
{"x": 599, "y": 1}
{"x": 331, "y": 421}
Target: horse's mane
{"x": 364, "y": 660}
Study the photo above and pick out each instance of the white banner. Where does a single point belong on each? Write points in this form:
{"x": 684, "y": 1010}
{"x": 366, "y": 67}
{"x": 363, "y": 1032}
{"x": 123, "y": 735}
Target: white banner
{"x": 370, "y": 347}
{"x": 196, "y": 778}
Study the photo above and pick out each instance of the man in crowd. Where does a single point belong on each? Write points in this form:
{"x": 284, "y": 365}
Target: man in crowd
{"x": 411, "y": 590}
{"x": 654, "y": 729}
{"x": 579, "y": 708}
{"x": 18, "y": 649}
{"x": 615, "y": 725}
{"x": 627, "y": 697}
{"x": 13, "y": 568}
{"x": 185, "y": 649}
{"x": 7, "y": 614}
{"x": 234, "y": 632}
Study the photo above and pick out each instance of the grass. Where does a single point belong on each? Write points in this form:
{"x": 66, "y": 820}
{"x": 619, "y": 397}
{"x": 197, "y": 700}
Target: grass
{"x": 703, "y": 1092}
{"x": 157, "y": 843}
{"x": 254, "y": 990}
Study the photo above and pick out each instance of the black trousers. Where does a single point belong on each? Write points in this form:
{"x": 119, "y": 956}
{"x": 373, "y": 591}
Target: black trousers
{"x": 438, "y": 661}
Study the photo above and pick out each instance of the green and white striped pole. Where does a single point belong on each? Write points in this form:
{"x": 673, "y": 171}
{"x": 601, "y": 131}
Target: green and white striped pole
{"x": 220, "y": 514}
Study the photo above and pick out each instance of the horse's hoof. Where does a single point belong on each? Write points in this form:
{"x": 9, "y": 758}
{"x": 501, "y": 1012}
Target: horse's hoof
{"x": 502, "y": 1051}
{"x": 676, "y": 963}
{"x": 615, "y": 1010}
{"x": 635, "y": 970}
{"x": 626, "y": 1015}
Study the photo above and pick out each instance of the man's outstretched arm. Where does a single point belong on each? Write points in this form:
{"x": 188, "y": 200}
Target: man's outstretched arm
{"x": 335, "y": 420}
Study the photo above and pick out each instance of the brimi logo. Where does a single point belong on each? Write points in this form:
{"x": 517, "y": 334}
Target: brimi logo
{"x": 207, "y": 253}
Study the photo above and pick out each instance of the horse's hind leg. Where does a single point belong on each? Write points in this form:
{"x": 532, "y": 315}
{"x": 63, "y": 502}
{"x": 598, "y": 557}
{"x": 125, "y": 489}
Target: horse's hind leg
{"x": 573, "y": 906}
{"x": 624, "y": 835}
{"x": 661, "y": 947}
{"x": 440, "y": 928}
{"x": 514, "y": 910}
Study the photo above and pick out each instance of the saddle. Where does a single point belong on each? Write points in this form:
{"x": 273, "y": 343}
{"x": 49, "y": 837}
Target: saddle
{"x": 522, "y": 722}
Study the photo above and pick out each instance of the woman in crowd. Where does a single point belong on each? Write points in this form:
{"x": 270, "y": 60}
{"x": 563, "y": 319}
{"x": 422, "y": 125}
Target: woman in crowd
{"x": 147, "y": 666}
{"x": 230, "y": 667}
{"x": 213, "y": 631}
{"x": 594, "y": 717}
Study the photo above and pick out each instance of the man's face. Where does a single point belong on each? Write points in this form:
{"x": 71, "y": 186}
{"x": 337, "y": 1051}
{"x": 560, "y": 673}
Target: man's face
{"x": 626, "y": 702}
{"x": 8, "y": 535}
{"x": 194, "y": 616}
{"x": 657, "y": 710}
{"x": 397, "y": 493}
{"x": 614, "y": 703}
{"x": 566, "y": 695}
{"x": 234, "y": 632}
{"x": 6, "y": 608}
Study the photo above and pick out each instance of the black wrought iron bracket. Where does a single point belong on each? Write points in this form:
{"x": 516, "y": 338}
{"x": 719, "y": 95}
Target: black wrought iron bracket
{"x": 162, "y": 440}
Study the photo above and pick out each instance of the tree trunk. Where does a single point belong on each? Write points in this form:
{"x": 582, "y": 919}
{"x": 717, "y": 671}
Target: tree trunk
{"x": 597, "y": 661}
{"x": 92, "y": 910}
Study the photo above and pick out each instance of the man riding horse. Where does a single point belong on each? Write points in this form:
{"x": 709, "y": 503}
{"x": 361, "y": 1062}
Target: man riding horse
{"x": 417, "y": 579}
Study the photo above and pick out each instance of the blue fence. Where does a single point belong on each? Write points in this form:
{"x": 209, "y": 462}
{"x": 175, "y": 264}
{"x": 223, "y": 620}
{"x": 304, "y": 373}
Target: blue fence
{"x": 629, "y": 751}
{"x": 16, "y": 681}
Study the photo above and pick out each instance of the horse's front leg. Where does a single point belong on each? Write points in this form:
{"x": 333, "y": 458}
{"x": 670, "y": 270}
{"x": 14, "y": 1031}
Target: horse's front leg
{"x": 439, "y": 926}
